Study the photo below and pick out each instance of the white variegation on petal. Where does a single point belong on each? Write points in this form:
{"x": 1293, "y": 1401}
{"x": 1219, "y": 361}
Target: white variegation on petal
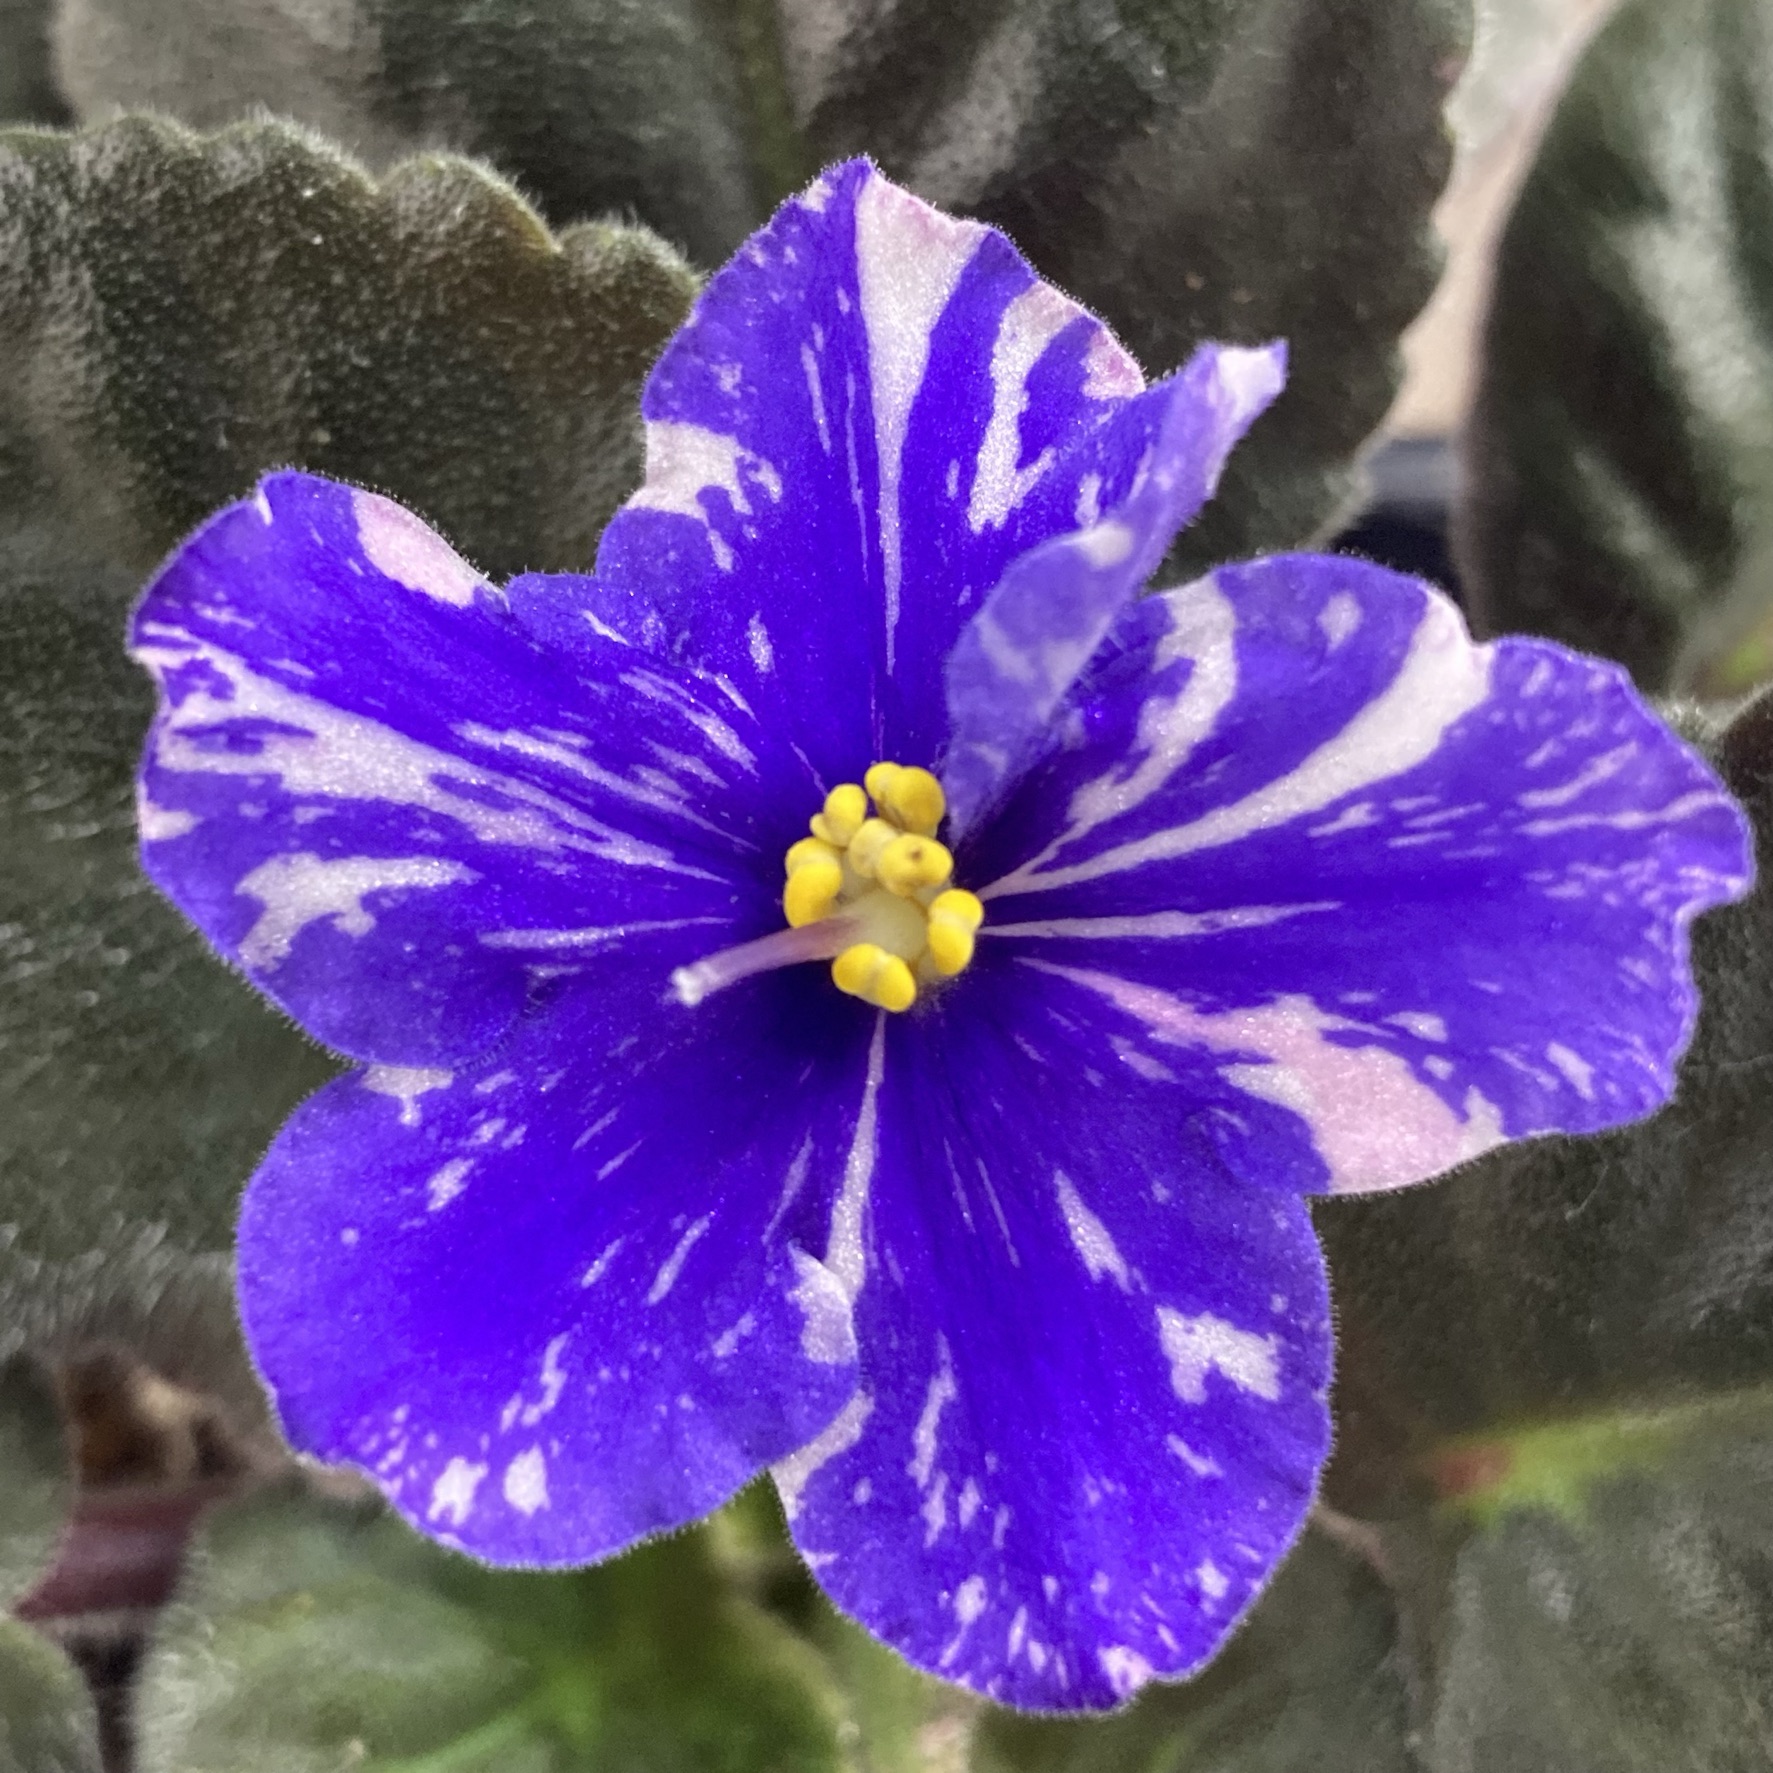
{"x": 411, "y": 553}
{"x": 845, "y": 1256}
{"x": 909, "y": 258}
{"x": 296, "y": 890}
{"x": 1492, "y": 855}
{"x": 686, "y": 462}
{"x": 1374, "y": 1124}
{"x": 1028, "y": 1370}
{"x": 1442, "y": 678}
{"x": 1048, "y": 615}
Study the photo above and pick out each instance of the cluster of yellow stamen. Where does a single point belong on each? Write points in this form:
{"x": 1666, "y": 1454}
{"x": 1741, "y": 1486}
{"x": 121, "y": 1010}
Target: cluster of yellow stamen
{"x": 885, "y": 873}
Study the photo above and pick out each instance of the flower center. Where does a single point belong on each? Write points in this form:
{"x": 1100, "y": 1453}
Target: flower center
{"x": 869, "y": 892}
{"x": 884, "y": 880}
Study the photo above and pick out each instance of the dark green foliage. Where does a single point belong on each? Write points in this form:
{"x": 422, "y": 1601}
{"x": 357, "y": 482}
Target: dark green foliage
{"x": 181, "y": 312}
{"x": 1621, "y": 1625}
{"x": 47, "y": 1723}
{"x": 592, "y": 108}
{"x": 36, "y": 1480}
{"x": 1194, "y": 169}
{"x": 314, "y": 1633}
{"x": 28, "y": 92}
{"x": 177, "y": 315}
{"x": 1621, "y": 454}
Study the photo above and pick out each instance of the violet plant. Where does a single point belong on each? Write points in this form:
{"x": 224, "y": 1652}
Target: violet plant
{"x": 869, "y": 937}
{"x": 984, "y": 1235}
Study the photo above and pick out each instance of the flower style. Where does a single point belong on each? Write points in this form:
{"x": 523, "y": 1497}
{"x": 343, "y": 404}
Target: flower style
{"x": 969, "y": 1196}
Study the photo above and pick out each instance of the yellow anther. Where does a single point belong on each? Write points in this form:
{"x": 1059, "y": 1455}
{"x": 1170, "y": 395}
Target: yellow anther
{"x": 815, "y": 878}
{"x": 915, "y": 800}
{"x": 955, "y": 917}
{"x": 909, "y": 863}
{"x": 882, "y": 875}
{"x": 846, "y": 806}
{"x": 868, "y": 843}
{"x": 961, "y": 907}
{"x": 875, "y": 976}
{"x": 879, "y": 781}
{"x": 811, "y": 849}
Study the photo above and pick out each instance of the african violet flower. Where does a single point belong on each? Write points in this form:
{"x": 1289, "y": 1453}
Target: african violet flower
{"x": 989, "y": 1239}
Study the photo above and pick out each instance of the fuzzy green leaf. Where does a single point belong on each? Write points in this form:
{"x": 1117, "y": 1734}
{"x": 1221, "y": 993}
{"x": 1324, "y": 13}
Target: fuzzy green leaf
{"x": 180, "y": 312}
{"x": 1234, "y": 169}
{"x": 313, "y": 1634}
{"x": 177, "y": 315}
{"x": 1592, "y": 1594}
{"x": 47, "y": 1723}
{"x": 898, "y": 1720}
{"x": 1621, "y": 451}
{"x": 594, "y": 108}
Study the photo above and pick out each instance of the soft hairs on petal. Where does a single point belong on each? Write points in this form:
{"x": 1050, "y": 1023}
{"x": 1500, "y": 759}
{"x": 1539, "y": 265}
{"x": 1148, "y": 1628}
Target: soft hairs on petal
{"x": 1412, "y": 896}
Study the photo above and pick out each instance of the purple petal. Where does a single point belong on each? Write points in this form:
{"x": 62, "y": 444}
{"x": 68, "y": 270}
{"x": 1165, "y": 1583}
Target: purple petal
{"x": 548, "y": 1301}
{"x": 384, "y": 802}
{"x": 1018, "y": 657}
{"x": 1090, "y": 1411}
{"x": 874, "y": 409}
{"x": 1410, "y": 895}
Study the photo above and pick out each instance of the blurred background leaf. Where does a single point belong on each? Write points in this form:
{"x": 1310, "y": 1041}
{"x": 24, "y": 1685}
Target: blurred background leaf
{"x": 162, "y": 1415}
{"x": 46, "y": 1715}
{"x": 36, "y": 1476}
{"x": 1620, "y": 456}
{"x": 897, "y": 1719}
{"x": 314, "y": 1633}
{"x": 1597, "y": 1599}
{"x": 592, "y": 108}
{"x": 1234, "y": 169}
{"x": 28, "y": 89}
{"x": 154, "y": 1381}
{"x": 177, "y": 315}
